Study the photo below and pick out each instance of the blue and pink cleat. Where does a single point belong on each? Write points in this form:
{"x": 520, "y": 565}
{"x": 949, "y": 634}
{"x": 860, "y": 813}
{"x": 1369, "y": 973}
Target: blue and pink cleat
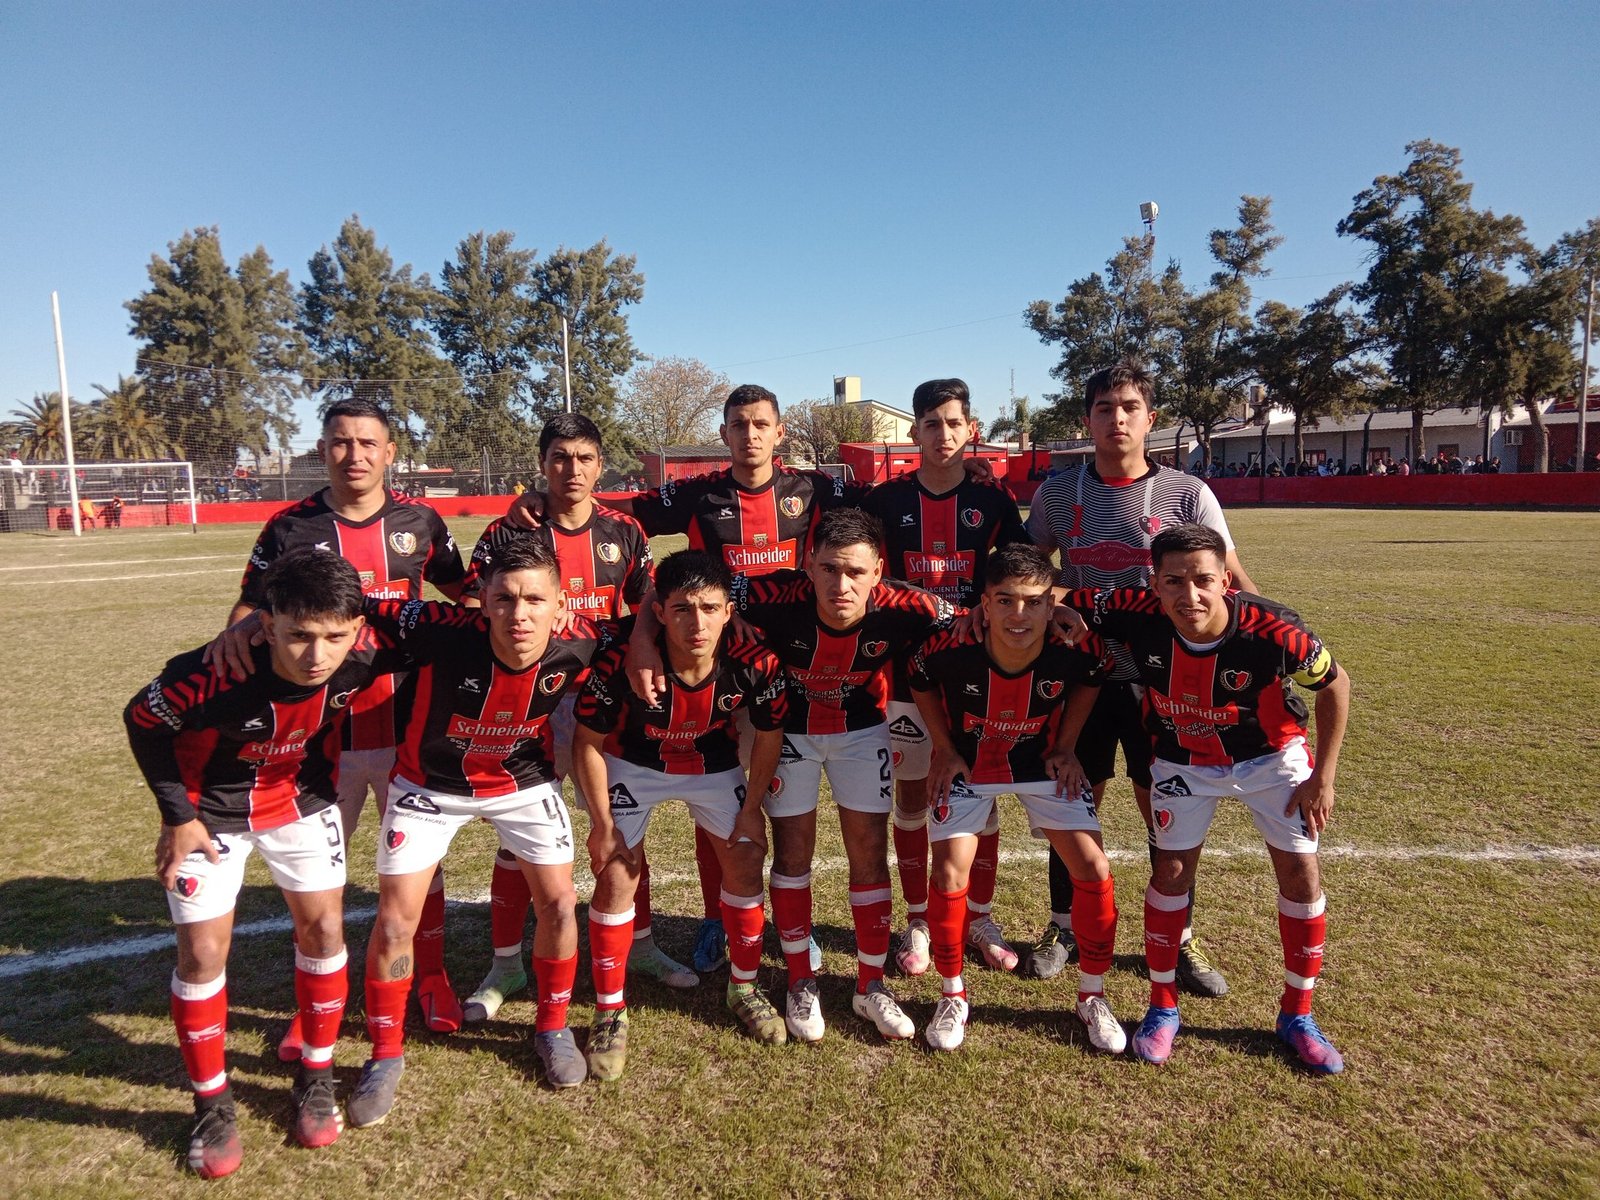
{"x": 1152, "y": 1041}
{"x": 1300, "y": 1033}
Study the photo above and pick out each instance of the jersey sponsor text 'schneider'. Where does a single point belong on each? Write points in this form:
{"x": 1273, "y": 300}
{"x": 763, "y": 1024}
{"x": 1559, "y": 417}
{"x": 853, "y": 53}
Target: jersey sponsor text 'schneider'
{"x": 941, "y": 543}
{"x": 604, "y": 562}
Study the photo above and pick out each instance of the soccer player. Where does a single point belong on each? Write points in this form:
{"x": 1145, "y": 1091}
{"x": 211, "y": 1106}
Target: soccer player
{"x": 1216, "y": 666}
{"x": 837, "y": 628}
{"x": 940, "y": 523}
{"x": 395, "y": 544}
{"x": 244, "y": 766}
{"x": 632, "y": 755}
{"x": 1101, "y": 517}
{"x": 605, "y": 569}
{"x": 1004, "y": 707}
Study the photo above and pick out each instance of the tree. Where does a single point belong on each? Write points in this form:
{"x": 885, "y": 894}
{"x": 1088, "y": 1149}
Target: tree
{"x": 1310, "y": 360}
{"x": 364, "y": 321}
{"x": 1435, "y": 262}
{"x": 817, "y": 428}
{"x": 123, "y": 426}
{"x": 37, "y": 430}
{"x": 219, "y": 347}
{"x": 673, "y": 401}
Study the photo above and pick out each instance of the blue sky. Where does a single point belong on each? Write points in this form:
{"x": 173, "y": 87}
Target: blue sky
{"x": 869, "y": 189}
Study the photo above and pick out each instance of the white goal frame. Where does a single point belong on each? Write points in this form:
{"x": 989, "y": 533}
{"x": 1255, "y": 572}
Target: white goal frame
{"x": 92, "y": 469}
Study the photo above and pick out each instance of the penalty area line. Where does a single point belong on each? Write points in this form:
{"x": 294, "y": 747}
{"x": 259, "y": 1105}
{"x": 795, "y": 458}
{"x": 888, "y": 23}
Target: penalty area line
{"x": 19, "y": 966}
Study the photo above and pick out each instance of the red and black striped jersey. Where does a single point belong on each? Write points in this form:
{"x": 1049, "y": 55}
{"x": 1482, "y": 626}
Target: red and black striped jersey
{"x": 470, "y": 725}
{"x": 250, "y": 754}
{"x": 757, "y": 531}
{"x": 604, "y": 562}
{"x": 688, "y": 730}
{"x": 1005, "y": 723}
{"x": 404, "y": 543}
{"x": 838, "y": 679}
{"x": 940, "y": 543}
{"x": 1227, "y": 702}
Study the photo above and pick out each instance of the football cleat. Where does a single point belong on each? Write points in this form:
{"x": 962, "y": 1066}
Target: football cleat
{"x": 214, "y": 1148}
{"x": 374, "y": 1092}
{"x": 558, "y": 1055}
{"x": 317, "y": 1119}
{"x": 1152, "y": 1041}
{"x": 803, "y": 1012}
{"x": 878, "y": 1005}
{"x": 650, "y": 960}
{"x": 506, "y": 977}
{"x": 441, "y": 1011}
{"x": 755, "y": 1012}
{"x": 815, "y": 951}
{"x": 985, "y": 937}
{"x": 948, "y": 1027}
{"x": 1100, "y": 1023}
{"x": 1300, "y": 1033}
{"x": 292, "y": 1042}
{"x": 1197, "y": 975}
{"x": 1049, "y": 956}
{"x": 915, "y": 942}
{"x": 608, "y": 1044}
{"x": 710, "y": 947}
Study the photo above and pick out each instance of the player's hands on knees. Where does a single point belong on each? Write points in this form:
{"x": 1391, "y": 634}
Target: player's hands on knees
{"x": 1314, "y": 800}
{"x": 750, "y": 826}
{"x": 526, "y": 511}
{"x": 944, "y": 768}
{"x": 175, "y": 844}
{"x": 229, "y": 652}
{"x": 1070, "y": 622}
{"x": 1064, "y": 767}
{"x": 606, "y": 843}
{"x": 646, "y": 673}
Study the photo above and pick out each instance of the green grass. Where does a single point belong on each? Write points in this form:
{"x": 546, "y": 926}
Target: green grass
{"x": 1460, "y": 987}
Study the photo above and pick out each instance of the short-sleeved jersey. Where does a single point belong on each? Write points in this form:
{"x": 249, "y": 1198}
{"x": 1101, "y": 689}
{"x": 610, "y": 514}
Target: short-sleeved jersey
{"x": 404, "y": 543}
{"x": 249, "y": 754}
{"x": 472, "y": 726}
{"x": 838, "y": 679}
{"x": 1224, "y": 703}
{"x": 1103, "y": 530}
{"x": 688, "y": 730}
{"x": 1005, "y": 723}
{"x": 604, "y": 562}
{"x": 756, "y": 531}
{"x": 940, "y": 543}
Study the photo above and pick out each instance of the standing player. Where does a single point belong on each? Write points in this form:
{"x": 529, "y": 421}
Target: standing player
{"x": 940, "y": 524}
{"x": 605, "y": 569}
{"x": 1004, "y": 707}
{"x": 1216, "y": 667}
{"x": 395, "y": 544}
{"x": 1101, "y": 517}
{"x": 837, "y": 629}
{"x": 683, "y": 747}
{"x": 243, "y": 766}
{"x": 477, "y": 744}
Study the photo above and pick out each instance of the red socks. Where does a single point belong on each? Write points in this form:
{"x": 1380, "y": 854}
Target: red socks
{"x": 947, "y": 918}
{"x": 1164, "y": 918}
{"x": 321, "y": 986}
{"x": 871, "y": 910}
{"x": 386, "y": 1015}
{"x": 911, "y": 859}
{"x": 554, "y": 978}
{"x": 610, "y": 939}
{"x": 200, "y": 1013}
{"x": 1304, "y": 929}
{"x": 428, "y": 942}
{"x": 710, "y": 868}
{"x": 744, "y": 921}
{"x": 508, "y": 904}
{"x": 791, "y": 913}
{"x": 1094, "y": 924}
{"x": 985, "y": 866}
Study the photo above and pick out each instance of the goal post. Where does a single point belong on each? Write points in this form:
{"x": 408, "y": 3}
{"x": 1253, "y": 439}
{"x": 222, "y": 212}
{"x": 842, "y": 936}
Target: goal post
{"x": 113, "y": 495}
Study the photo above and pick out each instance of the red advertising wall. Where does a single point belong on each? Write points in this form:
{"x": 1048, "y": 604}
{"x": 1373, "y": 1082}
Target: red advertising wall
{"x": 1562, "y": 490}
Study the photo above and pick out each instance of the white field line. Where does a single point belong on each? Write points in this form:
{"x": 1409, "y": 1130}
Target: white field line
{"x": 121, "y": 578}
{"x": 18, "y": 966}
{"x": 120, "y": 562}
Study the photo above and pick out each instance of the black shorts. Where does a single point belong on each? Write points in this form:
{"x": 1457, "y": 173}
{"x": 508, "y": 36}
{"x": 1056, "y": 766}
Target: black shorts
{"x": 1116, "y": 719}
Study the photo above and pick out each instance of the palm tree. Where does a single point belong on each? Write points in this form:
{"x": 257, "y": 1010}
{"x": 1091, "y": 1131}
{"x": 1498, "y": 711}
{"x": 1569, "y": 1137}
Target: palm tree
{"x": 39, "y": 430}
{"x": 124, "y": 429}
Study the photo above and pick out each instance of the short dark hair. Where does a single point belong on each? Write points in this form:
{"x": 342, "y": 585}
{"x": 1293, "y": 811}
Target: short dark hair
{"x": 569, "y": 427}
{"x": 692, "y": 571}
{"x": 313, "y": 583}
{"x": 1018, "y": 560}
{"x": 358, "y": 406}
{"x": 747, "y": 394}
{"x": 525, "y": 552}
{"x": 1108, "y": 379}
{"x": 841, "y": 527}
{"x": 935, "y": 392}
{"x": 1185, "y": 539}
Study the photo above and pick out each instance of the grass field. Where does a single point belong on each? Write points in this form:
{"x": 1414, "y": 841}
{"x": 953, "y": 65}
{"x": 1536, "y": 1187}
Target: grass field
{"x": 1462, "y": 869}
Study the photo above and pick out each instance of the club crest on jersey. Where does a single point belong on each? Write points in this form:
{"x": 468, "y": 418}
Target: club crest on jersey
{"x": 404, "y": 542}
{"x": 341, "y": 699}
{"x": 553, "y": 683}
{"x": 874, "y": 649}
{"x": 609, "y": 552}
{"x": 791, "y": 506}
{"x": 1049, "y": 689}
{"x": 1235, "y": 681}
{"x": 1151, "y": 525}
{"x": 971, "y": 518}
{"x": 394, "y": 839}
{"x": 188, "y": 886}
{"x": 730, "y": 702}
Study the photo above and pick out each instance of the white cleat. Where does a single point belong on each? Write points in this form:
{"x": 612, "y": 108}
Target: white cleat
{"x": 650, "y": 960}
{"x": 915, "y": 944}
{"x": 1100, "y": 1023}
{"x": 948, "y": 1028}
{"x": 985, "y": 937}
{"x": 878, "y": 1005}
{"x": 802, "y": 1012}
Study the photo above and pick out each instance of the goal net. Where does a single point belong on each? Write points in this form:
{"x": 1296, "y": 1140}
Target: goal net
{"x": 38, "y": 496}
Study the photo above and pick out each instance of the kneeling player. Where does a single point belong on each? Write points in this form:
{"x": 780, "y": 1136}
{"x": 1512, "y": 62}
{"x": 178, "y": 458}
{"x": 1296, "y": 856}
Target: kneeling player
{"x": 1216, "y": 667}
{"x": 684, "y": 746}
{"x": 248, "y": 765}
{"x": 1004, "y": 708}
{"x": 476, "y": 743}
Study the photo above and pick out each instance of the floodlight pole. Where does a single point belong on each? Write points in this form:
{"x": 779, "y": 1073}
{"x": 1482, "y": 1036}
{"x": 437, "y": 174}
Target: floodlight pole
{"x": 566, "y": 362}
{"x": 66, "y": 418}
{"x": 1583, "y": 379}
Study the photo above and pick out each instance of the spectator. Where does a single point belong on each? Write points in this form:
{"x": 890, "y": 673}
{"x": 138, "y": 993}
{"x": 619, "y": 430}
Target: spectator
{"x": 114, "y": 513}
{"x": 86, "y": 513}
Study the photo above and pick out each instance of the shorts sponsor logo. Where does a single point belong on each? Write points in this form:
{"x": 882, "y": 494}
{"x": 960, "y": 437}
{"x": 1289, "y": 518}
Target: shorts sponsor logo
{"x": 609, "y": 552}
{"x": 904, "y": 727}
{"x": 788, "y": 754}
{"x": 621, "y": 797}
{"x": 188, "y": 886}
{"x": 404, "y": 542}
{"x": 1049, "y": 689}
{"x": 971, "y": 518}
{"x": 394, "y": 839}
{"x": 1173, "y": 787}
{"x": 874, "y": 649}
{"x": 959, "y": 787}
{"x": 729, "y": 702}
{"x": 553, "y": 682}
{"x": 416, "y": 802}
{"x": 1236, "y": 681}
{"x": 791, "y": 506}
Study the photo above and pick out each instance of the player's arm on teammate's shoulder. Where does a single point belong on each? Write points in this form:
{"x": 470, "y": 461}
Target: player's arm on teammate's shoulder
{"x": 228, "y": 654}
{"x": 527, "y": 510}
{"x": 154, "y": 718}
{"x": 645, "y": 670}
{"x": 1236, "y": 569}
{"x": 1314, "y": 797}
{"x": 589, "y": 773}
{"x": 945, "y": 764}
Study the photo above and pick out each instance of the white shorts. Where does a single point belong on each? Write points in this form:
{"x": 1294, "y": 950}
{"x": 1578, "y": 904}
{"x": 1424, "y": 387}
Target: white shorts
{"x": 967, "y": 811}
{"x": 418, "y": 825}
{"x": 908, "y": 738}
{"x": 858, "y": 772}
{"x": 714, "y": 800}
{"x": 306, "y": 855}
{"x": 1183, "y": 800}
{"x": 359, "y": 772}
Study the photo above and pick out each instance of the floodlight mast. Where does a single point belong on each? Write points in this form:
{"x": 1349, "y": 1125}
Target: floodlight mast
{"x": 1148, "y": 212}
